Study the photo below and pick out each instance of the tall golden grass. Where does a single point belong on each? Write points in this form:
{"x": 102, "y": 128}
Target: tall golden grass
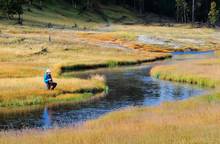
{"x": 32, "y": 91}
{"x": 187, "y": 122}
{"x": 26, "y": 52}
{"x": 21, "y": 69}
{"x": 203, "y": 72}
{"x": 66, "y": 47}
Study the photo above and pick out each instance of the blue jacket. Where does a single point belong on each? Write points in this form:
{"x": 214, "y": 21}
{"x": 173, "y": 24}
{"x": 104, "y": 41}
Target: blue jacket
{"x": 47, "y": 78}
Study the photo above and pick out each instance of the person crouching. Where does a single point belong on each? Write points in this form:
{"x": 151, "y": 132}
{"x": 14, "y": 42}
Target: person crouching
{"x": 51, "y": 85}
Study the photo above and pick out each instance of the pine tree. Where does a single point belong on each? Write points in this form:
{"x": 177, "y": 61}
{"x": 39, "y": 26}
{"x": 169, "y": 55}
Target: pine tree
{"x": 181, "y": 11}
{"x": 213, "y": 14}
{"x": 19, "y": 10}
{"x": 193, "y": 11}
{"x": 13, "y": 7}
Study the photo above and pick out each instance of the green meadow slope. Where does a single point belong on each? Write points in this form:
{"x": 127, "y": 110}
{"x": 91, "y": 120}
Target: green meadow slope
{"x": 63, "y": 15}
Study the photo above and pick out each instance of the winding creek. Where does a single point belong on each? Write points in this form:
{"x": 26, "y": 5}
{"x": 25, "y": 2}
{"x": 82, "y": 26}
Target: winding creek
{"x": 128, "y": 86}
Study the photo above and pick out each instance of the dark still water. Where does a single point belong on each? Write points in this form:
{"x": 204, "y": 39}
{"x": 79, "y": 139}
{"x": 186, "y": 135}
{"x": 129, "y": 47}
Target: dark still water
{"x": 128, "y": 87}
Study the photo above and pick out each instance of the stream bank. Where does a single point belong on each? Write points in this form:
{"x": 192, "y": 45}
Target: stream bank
{"x": 128, "y": 86}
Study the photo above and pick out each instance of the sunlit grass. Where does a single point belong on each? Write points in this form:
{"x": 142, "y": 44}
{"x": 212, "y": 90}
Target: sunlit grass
{"x": 182, "y": 38}
{"x": 183, "y": 31}
{"x": 195, "y": 120}
{"x": 32, "y": 91}
{"x": 23, "y": 63}
{"x": 21, "y": 69}
{"x": 203, "y": 72}
{"x": 65, "y": 47}
{"x": 26, "y": 52}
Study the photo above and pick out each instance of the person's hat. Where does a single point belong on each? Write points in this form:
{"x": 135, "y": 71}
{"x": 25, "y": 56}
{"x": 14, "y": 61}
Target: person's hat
{"x": 48, "y": 71}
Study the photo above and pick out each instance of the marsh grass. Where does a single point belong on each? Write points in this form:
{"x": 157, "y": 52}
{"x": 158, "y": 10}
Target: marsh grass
{"x": 26, "y": 52}
{"x": 187, "y": 122}
{"x": 112, "y": 64}
{"x": 195, "y": 120}
{"x": 21, "y": 69}
{"x": 204, "y": 72}
{"x": 31, "y": 91}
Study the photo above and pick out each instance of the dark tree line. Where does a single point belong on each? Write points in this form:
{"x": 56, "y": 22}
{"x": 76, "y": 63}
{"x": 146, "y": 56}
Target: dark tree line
{"x": 11, "y": 8}
{"x": 182, "y": 10}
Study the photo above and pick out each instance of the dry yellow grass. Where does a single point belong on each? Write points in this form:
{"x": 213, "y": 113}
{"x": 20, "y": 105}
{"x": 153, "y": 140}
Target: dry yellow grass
{"x": 187, "y": 122}
{"x": 184, "y": 37}
{"x": 32, "y": 91}
{"x": 26, "y": 52}
{"x": 202, "y": 72}
{"x": 21, "y": 69}
{"x": 65, "y": 47}
{"x": 175, "y": 33}
{"x": 124, "y": 39}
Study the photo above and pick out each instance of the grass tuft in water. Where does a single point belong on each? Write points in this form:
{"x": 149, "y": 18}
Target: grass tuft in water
{"x": 112, "y": 64}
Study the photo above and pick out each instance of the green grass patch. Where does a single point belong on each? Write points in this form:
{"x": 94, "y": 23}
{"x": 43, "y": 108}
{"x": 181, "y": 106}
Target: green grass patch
{"x": 112, "y": 64}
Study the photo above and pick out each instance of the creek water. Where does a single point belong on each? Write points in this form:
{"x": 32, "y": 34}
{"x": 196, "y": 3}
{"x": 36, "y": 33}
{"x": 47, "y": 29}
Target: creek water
{"x": 128, "y": 86}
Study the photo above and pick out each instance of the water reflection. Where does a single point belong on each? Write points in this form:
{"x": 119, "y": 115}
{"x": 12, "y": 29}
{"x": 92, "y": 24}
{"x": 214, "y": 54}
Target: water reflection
{"x": 46, "y": 120}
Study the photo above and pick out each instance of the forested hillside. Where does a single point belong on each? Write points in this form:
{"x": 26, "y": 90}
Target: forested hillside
{"x": 170, "y": 8}
{"x": 112, "y": 11}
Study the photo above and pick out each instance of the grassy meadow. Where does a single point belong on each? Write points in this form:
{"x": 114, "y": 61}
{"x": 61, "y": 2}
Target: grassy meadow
{"x": 191, "y": 121}
{"x": 27, "y": 51}
{"x": 176, "y": 38}
{"x": 32, "y": 91}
